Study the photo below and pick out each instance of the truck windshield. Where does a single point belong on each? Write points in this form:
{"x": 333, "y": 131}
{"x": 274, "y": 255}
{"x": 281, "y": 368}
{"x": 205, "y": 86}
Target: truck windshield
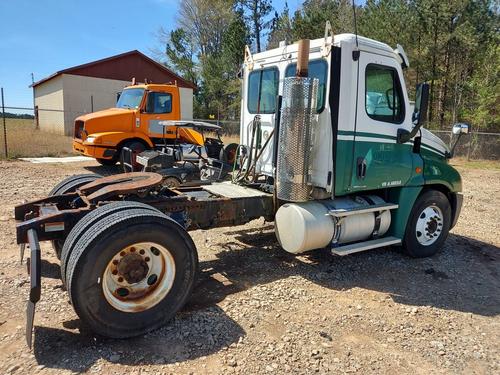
{"x": 130, "y": 98}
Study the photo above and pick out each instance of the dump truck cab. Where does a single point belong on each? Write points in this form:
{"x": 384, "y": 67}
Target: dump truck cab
{"x": 136, "y": 122}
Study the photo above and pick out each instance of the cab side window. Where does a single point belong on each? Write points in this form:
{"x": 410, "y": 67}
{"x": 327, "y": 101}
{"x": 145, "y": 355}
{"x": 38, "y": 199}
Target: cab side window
{"x": 263, "y": 90}
{"x": 383, "y": 96}
{"x": 159, "y": 102}
{"x": 317, "y": 69}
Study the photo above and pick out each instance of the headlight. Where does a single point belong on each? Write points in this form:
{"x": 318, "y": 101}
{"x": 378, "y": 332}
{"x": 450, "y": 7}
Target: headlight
{"x": 90, "y": 139}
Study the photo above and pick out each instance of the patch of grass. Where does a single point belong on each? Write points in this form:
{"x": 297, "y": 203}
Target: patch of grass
{"x": 23, "y": 140}
{"x": 476, "y": 164}
{"x": 231, "y": 138}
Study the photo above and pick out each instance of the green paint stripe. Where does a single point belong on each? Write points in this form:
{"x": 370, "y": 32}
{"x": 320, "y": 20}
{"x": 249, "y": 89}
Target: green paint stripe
{"x": 384, "y": 136}
{"x": 365, "y": 134}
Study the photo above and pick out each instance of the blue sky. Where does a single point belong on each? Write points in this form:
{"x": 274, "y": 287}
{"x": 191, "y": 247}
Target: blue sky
{"x": 44, "y": 36}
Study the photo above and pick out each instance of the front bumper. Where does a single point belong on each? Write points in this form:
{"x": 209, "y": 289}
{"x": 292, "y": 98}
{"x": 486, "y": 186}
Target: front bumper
{"x": 94, "y": 151}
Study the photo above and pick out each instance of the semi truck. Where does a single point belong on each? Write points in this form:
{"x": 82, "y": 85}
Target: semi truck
{"x": 330, "y": 151}
{"x": 136, "y": 123}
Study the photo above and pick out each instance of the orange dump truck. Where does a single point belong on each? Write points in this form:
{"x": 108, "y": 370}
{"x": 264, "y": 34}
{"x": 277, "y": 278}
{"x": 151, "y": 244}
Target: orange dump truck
{"x": 137, "y": 122}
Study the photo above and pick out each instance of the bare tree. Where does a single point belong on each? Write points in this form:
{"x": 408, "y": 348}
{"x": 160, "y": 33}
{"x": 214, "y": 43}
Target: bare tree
{"x": 205, "y": 22}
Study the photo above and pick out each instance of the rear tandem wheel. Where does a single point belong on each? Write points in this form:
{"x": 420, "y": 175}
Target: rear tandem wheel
{"x": 88, "y": 221}
{"x": 131, "y": 272}
{"x": 69, "y": 185}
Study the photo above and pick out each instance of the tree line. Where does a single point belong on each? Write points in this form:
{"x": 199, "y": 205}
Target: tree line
{"x": 453, "y": 45}
{"x": 23, "y": 116}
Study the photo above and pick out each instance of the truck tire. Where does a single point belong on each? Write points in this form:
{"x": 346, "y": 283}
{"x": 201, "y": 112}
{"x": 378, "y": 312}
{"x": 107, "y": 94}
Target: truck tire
{"x": 69, "y": 185}
{"x": 428, "y": 225}
{"x": 88, "y": 221}
{"x": 136, "y": 147}
{"x": 131, "y": 272}
{"x": 171, "y": 182}
{"x": 229, "y": 153}
{"x": 107, "y": 162}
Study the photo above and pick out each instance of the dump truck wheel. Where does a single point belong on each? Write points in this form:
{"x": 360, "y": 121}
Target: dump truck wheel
{"x": 171, "y": 182}
{"x": 69, "y": 185}
{"x": 229, "y": 153}
{"x": 107, "y": 162}
{"x": 131, "y": 272}
{"x": 428, "y": 225}
{"x": 88, "y": 221}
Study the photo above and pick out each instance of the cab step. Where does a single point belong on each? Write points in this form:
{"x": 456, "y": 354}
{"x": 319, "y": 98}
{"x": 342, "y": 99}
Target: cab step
{"x": 365, "y": 245}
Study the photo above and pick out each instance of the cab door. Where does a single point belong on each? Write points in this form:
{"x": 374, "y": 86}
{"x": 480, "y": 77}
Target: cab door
{"x": 159, "y": 106}
{"x": 379, "y": 161}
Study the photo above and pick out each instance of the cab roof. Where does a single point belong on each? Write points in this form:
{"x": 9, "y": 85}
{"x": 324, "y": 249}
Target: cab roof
{"x": 152, "y": 86}
{"x": 316, "y": 44}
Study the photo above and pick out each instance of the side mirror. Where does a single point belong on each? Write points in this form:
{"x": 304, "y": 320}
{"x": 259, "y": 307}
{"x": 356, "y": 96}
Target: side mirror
{"x": 421, "y": 104}
{"x": 458, "y": 129}
{"x": 461, "y": 128}
{"x": 419, "y": 113}
{"x": 118, "y": 94}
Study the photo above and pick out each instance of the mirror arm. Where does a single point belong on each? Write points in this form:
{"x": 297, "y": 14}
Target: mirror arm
{"x": 450, "y": 154}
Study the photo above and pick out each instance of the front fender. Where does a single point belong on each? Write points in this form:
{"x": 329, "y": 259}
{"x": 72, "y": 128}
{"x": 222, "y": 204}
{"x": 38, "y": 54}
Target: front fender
{"x": 113, "y": 139}
{"x": 437, "y": 171}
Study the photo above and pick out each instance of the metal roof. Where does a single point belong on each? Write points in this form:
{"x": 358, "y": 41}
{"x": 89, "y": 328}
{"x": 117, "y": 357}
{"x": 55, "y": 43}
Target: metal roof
{"x": 124, "y": 67}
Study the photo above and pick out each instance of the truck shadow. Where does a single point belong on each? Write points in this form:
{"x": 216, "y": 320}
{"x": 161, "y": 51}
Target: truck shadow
{"x": 188, "y": 336}
{"x": 462, "y": 277}
{"x": 104, "y": 170}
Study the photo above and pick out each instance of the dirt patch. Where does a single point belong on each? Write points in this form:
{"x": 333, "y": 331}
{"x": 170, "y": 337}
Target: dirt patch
{"x": 257, "y": 309}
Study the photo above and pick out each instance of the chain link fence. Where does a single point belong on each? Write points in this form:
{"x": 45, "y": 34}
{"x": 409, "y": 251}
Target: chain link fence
{"x": 229, "y": 127}
{"x": 32, "y": 132}
{"x": 476, "y": 145}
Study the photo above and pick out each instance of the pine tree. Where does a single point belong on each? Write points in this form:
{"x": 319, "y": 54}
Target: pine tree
{"x": 281, "y": 28}
{"x": 258, "y": 11}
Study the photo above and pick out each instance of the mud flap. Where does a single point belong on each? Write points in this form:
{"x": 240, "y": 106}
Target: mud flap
{"x": 35, "y": 284}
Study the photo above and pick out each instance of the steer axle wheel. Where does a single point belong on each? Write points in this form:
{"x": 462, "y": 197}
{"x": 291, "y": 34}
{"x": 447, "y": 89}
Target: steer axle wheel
{"x": 428, "y": 225}
{"x": 130, "y": 272}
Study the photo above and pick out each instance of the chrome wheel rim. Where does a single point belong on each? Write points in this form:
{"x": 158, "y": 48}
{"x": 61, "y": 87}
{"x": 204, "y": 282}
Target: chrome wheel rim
{"x": 138, "y": 277}
{"x": 429, "y": 225}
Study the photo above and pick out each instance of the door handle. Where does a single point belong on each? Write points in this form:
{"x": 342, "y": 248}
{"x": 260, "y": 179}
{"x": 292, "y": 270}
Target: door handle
{"x": 361, "y": 167}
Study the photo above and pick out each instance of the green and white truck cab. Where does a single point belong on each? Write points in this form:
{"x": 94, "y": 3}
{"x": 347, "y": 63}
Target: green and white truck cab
{"x": 367, "y": 148}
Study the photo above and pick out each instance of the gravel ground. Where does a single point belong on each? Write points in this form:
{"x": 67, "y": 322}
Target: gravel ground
{"x": 257, "y": 309}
